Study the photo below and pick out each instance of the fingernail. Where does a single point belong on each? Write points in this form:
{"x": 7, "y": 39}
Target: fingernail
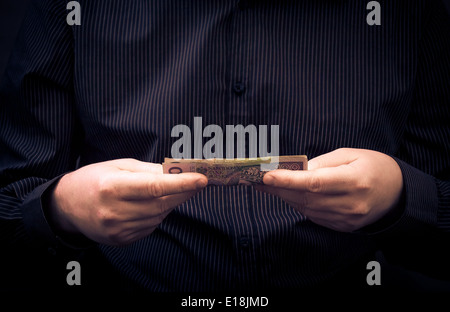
{"x": 268, "y": 179}
{"x": 201, "y": 183}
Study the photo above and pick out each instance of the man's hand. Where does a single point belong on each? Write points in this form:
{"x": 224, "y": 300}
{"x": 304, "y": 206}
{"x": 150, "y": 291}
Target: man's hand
{"x": 343, "y": 190}
{"x": 118, "y": 202}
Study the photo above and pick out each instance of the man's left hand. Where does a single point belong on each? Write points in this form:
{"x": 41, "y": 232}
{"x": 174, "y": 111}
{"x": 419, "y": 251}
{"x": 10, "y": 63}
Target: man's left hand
{"x": 343, "y": 190}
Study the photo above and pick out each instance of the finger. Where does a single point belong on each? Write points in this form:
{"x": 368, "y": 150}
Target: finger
{"x": 144, "y": 224}
{"x": 134, "y": 165}
{"x": 334, "y": 180}
{"x": 140, "y": 218}
{"x": 334, "y": 212}
{"x": 142, "y": 186}
{"x": 293, "y": 198}
{"x": 138, "y": 210}
{"x": 313, "y": 201}
{"x": 158, "y": 207}
{"x": 335, "y": 158}
{"x": 168, "y": 203}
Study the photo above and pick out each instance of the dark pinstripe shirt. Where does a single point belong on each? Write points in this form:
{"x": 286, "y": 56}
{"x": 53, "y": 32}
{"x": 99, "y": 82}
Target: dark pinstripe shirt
{"x": 116, "y": 85}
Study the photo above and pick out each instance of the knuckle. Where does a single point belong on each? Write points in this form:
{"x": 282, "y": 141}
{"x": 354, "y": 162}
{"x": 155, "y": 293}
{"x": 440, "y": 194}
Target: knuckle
{"x": 314, "y": 184}
{"x": 363, "y": 184}
{"x": 105, "y": 218}
{"x": 110, "y": 226}
{"x": 105, "y": 186}
{"x": 360, "y": 209}
{"x": 155, "y": 189}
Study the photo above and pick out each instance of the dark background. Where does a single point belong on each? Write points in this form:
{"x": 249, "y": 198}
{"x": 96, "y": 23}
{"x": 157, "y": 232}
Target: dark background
{"x": 11, "y": 16}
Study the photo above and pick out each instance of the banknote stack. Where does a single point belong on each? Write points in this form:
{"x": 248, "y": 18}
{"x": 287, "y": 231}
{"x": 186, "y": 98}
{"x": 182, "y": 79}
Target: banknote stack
{"x": 235, "y": 171}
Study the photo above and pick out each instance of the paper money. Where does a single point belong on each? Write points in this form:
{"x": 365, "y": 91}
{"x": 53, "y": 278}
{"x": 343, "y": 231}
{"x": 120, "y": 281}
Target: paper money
{"x": 235, "y": 171}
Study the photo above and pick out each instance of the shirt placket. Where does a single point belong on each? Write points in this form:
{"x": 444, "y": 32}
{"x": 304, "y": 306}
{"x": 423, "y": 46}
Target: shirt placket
{"x": 239, "y": 89}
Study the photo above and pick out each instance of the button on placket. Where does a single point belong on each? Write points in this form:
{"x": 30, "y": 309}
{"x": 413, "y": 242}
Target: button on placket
{"x": 244, "y": 242}
{"x": 239, "y": 88}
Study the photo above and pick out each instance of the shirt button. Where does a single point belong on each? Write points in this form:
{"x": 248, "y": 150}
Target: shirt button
{"x": 244, "y": 242}
{"x": 239, "y": 88}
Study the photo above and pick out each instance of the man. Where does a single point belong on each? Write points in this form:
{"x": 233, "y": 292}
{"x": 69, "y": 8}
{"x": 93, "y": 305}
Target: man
{"x": 87, "y": 113}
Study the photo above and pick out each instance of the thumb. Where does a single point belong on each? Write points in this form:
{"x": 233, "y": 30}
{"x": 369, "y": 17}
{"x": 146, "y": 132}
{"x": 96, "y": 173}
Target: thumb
{"x": 341, "y": 156}
{"x": 134, "y": 165}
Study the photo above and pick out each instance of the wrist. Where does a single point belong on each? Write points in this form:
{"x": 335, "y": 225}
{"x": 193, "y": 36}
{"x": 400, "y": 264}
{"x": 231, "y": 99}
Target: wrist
{"x": 389, "y": 219}
{"x": 66, "y": 232}
{"x": 53, "y": 201}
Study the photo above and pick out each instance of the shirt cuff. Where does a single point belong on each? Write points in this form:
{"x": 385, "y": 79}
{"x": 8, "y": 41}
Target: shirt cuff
{"x": 416, "y": 211}
{"x": 38, "y": 227}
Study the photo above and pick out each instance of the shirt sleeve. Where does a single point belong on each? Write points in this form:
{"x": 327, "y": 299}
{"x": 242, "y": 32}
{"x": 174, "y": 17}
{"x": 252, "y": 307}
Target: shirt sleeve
{"x": 39, "y": 134}
{"x": 418, "y": 234}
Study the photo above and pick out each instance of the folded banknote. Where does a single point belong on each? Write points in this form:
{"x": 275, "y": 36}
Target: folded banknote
{"x": 235, "y": 171}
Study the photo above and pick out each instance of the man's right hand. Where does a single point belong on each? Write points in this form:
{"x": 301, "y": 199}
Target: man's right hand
{"x": 120, "y": 201}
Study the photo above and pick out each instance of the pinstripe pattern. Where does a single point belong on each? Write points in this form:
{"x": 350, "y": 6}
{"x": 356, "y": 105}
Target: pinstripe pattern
{"x": 116, "y": 85}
